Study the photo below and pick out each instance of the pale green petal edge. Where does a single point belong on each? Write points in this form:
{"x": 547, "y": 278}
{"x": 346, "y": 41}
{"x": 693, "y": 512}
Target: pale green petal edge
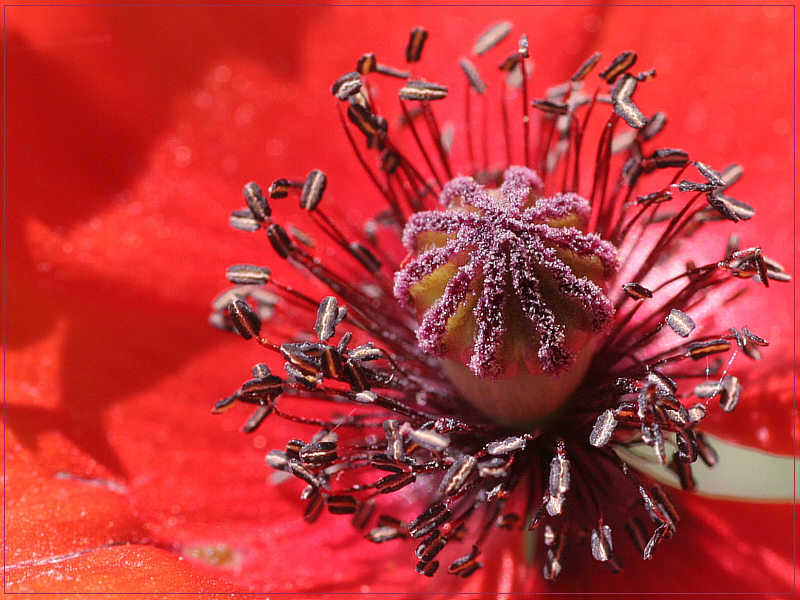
{"x": 742, "y": 473}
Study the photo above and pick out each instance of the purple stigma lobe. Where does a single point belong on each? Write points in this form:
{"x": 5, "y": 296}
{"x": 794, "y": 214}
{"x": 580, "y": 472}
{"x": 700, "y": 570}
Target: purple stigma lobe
{"x": 508, "y": 248}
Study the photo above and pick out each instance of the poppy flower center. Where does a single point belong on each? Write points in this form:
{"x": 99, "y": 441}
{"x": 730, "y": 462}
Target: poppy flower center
{"x": 509, "y": 291}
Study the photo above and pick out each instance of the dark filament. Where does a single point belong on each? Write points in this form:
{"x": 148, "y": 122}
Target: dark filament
{"x": 380, "y": 417}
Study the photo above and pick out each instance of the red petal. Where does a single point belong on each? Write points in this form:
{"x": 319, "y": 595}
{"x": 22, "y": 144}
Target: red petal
{"x": 131, "y": 569}
{"x": 120, "y": 179}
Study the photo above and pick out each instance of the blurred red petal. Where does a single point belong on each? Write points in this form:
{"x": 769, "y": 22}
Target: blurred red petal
{"x": 109, "y": 571}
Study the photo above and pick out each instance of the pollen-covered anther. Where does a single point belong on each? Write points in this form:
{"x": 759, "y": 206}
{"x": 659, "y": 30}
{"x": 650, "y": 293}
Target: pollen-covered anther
{"x": 507, "y": 282}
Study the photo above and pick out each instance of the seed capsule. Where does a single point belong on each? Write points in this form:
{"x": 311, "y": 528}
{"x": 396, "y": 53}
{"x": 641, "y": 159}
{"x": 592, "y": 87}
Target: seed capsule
{"x": 245, "y": 321}
{"x": 680, "y": 322}
{"x": 491, "y": 37}
{"x": 416, "y": 41}
{"x": 344, "y": 341}
{"x": 457, "y": 475}
{"x": 741, "y": 341}
{"x": 423, "y": 90}
{"x": 247, "y": 274}
{"x": 679, "y": 416}
{"x": 256, "y": 202}
{"x": 646, "y": 75}
{"x": 603, "y": 429}
{"x": 618, "y": 66}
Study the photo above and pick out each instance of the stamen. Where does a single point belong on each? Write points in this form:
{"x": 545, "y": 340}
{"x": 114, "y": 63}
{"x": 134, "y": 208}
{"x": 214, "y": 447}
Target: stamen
{"x": 548, "y": 345}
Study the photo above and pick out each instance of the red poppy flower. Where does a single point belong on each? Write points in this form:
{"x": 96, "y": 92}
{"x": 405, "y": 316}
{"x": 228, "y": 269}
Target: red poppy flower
{"x": 130, "y": 132}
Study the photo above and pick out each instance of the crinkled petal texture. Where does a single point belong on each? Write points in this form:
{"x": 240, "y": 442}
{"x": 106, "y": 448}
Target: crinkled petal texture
{"x": 130, "y": 131}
